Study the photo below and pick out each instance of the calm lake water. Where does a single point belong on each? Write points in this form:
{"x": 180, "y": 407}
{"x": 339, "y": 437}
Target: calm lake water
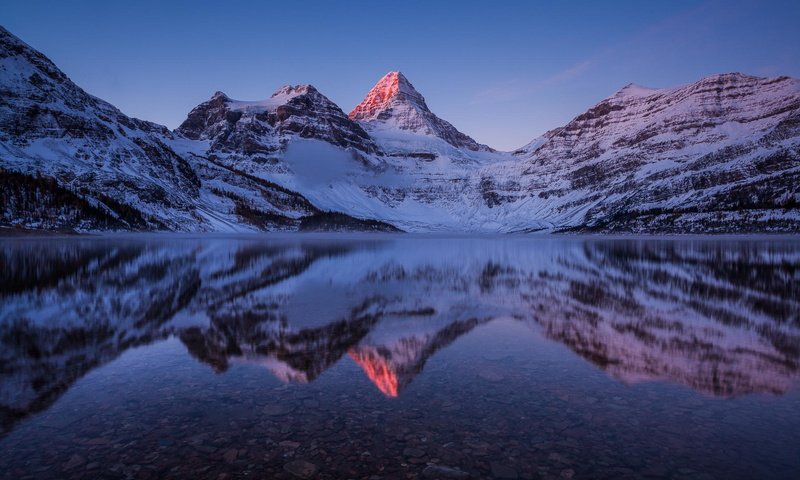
{"x": 389, "y": 357}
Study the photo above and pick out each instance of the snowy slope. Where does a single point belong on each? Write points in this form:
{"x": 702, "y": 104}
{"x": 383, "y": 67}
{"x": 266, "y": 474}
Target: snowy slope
{"x": 49, "y": 126}
{"x": 721, "y": 154}
{"x": 717, "y": 155}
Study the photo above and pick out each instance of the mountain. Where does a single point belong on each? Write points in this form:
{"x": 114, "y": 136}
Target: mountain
{"x": 108, "y": 169}
{"x": 394, "y": 104}
{"x": 721, "y": 154}
{"x": 718, "y": 155}
{"x": 300, "y": 140}
{"x": 70, "y": 161}
{"x": 262, "y": 128}
{"x": 240, "y": 145}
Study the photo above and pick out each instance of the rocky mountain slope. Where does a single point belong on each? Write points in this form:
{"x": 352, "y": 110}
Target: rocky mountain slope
{"x": 70, "y": 161}
{"x": 111, "y": 163}
{"x": 718, "y": 155}
{"x": 721, "y": 154}
{"x": 256, "y": 130}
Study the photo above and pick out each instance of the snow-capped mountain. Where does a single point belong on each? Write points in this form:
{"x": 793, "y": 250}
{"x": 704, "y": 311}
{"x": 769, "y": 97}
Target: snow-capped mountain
{"x": 119, "y": 170}
{"x": 259, "y": 129}
{"x": 721, "y": 154}
{"x": 411, "y": 178}
{"x": 71, "y": 161}
{"x": 394, "y": 104}
{"x": 718, "y": 155}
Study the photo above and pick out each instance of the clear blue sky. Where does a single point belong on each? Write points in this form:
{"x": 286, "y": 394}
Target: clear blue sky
{"x": 503, "y": 72}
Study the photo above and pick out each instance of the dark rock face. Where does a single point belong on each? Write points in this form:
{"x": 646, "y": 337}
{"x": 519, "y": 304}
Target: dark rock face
{"x": 339, "y": 222}
{"x": 202, "y": 117}
{"x": 263, "y": 128}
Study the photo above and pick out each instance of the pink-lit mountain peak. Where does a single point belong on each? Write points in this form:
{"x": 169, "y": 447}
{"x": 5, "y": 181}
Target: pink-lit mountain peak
{"x": 392, "y": 88}
{"x": 394, "y": 104}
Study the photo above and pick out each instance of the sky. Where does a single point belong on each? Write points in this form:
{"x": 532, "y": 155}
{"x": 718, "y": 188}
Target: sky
{"x": 503, "y": 72}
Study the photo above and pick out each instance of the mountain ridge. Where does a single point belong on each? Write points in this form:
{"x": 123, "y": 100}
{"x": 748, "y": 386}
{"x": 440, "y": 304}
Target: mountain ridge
{"x": 73, "y": 162}
{"x": 718, "y": 155}
{"x": 725, "y": 143}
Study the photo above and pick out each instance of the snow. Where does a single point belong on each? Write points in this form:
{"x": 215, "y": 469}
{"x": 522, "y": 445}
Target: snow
{"x": 636, "y": 91}
{"x": 280, "y": 97}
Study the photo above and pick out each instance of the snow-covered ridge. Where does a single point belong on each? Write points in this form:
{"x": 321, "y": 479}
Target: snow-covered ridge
{"x": 267, "y": 126}
{"x": 718, "y": 155}
{"x": 633, "y": 90}
{"x": 280, "y": 97}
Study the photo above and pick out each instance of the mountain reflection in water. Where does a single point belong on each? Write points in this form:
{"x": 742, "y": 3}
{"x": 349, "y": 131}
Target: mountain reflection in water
{"x": 719, "y": 316}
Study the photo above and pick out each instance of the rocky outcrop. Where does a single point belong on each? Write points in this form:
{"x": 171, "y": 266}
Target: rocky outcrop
{"x": 262, "y": 128}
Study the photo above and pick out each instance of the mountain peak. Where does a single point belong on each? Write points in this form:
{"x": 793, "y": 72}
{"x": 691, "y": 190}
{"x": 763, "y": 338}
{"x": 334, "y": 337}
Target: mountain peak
{"x": 399, "y": 85}
{"x": 632, "y": 90}
{"x": 393, "y": 87}
{"x": 250, "y": 127}
{"x": 394, "y": 104}
{"x": 293, "y": 90}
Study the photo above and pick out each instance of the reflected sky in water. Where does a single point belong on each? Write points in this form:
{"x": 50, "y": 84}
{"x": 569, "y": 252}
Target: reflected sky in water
{"x": 399, "y": 356}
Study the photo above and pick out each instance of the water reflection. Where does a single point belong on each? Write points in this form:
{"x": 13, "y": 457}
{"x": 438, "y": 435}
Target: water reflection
{"x": 718, "y": 316}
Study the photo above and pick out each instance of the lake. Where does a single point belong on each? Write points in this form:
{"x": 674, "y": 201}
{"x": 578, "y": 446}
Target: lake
{"x": 399, "y": 357}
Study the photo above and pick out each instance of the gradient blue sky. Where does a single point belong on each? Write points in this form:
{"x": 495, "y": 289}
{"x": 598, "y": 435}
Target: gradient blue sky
{"x": 502, "y": 72}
